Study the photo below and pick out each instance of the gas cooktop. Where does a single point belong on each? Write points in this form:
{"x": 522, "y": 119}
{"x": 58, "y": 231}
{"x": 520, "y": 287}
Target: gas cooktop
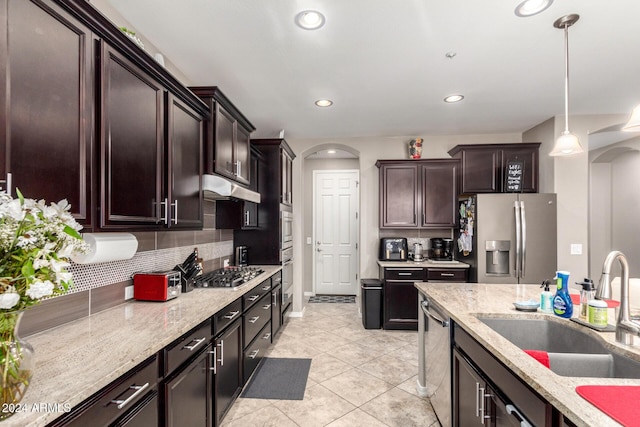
{"x": 228, "y": 277}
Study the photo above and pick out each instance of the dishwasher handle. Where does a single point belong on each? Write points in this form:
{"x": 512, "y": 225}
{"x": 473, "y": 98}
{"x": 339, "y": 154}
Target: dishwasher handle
{"x": 437, "y": 317}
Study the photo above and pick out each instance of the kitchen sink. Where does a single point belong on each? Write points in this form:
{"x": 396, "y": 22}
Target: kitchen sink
{"x": 572, "y": 352}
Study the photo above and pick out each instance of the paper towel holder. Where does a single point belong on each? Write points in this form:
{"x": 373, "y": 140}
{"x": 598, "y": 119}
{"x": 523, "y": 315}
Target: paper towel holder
{"x": 106, "y": 247}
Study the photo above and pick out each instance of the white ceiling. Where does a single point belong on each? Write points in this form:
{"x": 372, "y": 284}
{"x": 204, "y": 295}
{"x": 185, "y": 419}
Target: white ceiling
{"x": 383, "y": 62}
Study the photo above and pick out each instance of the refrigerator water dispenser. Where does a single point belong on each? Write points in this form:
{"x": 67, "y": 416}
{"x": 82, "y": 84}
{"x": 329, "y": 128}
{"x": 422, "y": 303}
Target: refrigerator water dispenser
{"x": 497, "y": 256}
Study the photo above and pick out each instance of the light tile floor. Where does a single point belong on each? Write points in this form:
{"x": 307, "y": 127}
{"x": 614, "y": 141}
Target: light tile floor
{"x": 358, "y": 377}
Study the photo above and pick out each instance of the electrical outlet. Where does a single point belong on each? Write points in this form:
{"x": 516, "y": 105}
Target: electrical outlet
{"x": 308, "y": 240}
{"x": 225, "y": 263}
{"x": 128, "y": 292}
{"x": 576, "y": 249}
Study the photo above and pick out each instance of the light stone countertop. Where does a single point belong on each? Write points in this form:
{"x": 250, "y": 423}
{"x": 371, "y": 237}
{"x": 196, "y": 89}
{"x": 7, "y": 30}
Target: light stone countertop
{"x": 75, "y": 360}
{"x": 465, "y": 301}
{"x": 426, "y": 264}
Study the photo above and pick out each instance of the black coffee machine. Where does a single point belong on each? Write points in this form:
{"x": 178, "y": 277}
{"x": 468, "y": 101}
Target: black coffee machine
{"x": 441, "y": 249}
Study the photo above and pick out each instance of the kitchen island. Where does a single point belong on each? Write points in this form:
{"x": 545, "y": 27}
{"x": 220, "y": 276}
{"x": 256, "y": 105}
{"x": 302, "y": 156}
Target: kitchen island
{"x": 465, "y": 302}
{"x": 77, "y": 359}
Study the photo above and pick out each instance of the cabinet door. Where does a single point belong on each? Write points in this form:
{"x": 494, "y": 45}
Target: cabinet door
{"x": 399, "y": 196}
{"x": 400, "y": 305}
{"x": 276, "y": 307}
{"x": 469, "y": 391}
{"x": 46, "y": 87}
{"x": 286, "y": 190}
{"x": 131, "y": 144}
{"x": 480, "y": 170}
{"x": 223, "y": 142}
{"x": 529, "y": 156}
{"x": 439, "y": 194}
{"x": 184, "y": 130}
{"x": 228, "y": 369}
{"x": 188, "y": 394}
{"x": 242, "y": 155}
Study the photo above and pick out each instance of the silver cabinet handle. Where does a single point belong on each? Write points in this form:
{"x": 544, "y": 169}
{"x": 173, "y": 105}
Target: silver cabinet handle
{"x": 482, "y": 409}
{"x": 253, "y": 354}
{"x": 511, "y": 410}
{"x": 175, "y": 212}
{"x": 447, "y": 274}
{"x": 238, "y": 168}
{"x": 266, "y": 306}
{"x": 246, "y": 217}
{"x": 231, "y": 315}
{"x": 477, "y": 399}
{"x": 138, "y": 390}
{"x": 196, "y": 344}
{"x": 403, "y": 274}
{"x": 266, "y": 288}
{"x": 266, "y": 336}
{"x": 253, "y": 297}
{"x": 164, "y": 217}
{"x": 214, "y": 361}
{"x": 221, "y": 345}
{"x": 254, "y": 319}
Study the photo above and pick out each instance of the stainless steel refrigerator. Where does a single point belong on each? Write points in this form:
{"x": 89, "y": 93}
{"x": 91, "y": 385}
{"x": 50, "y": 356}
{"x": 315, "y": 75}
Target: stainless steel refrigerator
{"x": 508, "y": 237}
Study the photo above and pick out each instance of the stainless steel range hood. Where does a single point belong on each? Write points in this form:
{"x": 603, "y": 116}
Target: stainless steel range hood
{"x": 216, "y": 187}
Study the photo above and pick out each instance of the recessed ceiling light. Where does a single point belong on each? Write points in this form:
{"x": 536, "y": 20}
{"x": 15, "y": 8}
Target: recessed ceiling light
{"x": 324, "y": 102}
{"x": 331, "y": 151}
{"x": 454, "y": 98}
{"x": 310, "y": 19}
{"x": 532, "y": 7}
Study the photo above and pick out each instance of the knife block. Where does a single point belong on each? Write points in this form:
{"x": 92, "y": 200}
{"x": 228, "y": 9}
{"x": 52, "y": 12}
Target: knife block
{"x": 187, "y": 284}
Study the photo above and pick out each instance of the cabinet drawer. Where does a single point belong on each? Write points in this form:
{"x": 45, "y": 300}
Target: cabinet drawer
{"x": 117, "y": 398}
{"x": 256, "y": 351}
{"x": 186, "y": 346}
{"x": 224, "y": 317}
{"x": 255, "y": 294}
{"x": 255, "y": 319}
{"x": 447, "y": 274}
{"x": 409, "y": 273}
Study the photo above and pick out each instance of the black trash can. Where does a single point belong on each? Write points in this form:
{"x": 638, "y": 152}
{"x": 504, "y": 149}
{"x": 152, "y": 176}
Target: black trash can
{"x": 371, "y": 297}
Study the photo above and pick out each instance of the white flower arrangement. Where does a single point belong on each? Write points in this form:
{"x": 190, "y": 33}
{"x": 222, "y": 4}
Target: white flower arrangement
{"x": 36, "y": 241}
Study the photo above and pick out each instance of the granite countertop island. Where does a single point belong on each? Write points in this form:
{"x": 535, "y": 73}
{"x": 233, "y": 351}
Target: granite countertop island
{"x": 75, "y": 360}
{"x": 465, "y": 301}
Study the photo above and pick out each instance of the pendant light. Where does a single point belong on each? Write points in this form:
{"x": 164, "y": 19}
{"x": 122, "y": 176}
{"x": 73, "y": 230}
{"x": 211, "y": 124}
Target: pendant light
{"x": 567, "y": 143}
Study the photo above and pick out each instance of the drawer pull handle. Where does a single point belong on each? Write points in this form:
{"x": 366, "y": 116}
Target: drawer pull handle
{"x": 231, "y": 315}
{"x": 196, "y": 344}
{"x": 266, "y": 336}
{"x": 266, "y": 288}
{"x": 404, "y": 274}
{"x": 266, "y": 306}
{"x": 253, "y": 297}
{"x": 254, "y": 353}
{"x": 254, "y": 319}
{"x": 138, "y": 390}
{"x": 278, "y": 280}
{"x": 447, "y": 274}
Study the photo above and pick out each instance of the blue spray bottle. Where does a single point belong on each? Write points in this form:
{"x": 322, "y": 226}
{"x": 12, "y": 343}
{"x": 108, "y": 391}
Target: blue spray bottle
{"x": 562, "y": 305}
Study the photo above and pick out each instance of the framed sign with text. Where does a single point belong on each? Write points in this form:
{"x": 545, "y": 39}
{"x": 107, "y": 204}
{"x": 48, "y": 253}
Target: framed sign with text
{"x": 514, "y": 172}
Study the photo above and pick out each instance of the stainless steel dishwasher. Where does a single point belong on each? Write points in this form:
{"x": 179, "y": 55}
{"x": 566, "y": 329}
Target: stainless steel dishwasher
{"x": 434, "y": 348}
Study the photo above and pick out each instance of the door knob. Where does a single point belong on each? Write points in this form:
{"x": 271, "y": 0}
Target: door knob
{"x": 318, "y": 250}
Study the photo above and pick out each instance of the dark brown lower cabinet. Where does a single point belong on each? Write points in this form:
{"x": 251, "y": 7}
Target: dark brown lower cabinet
{"x": 188, "y": 393}
{"x": 400, "y": 307}
{"x": 144, "y": 415}
{"x": 227, "y": 375}
{"x": 485, "y": 392}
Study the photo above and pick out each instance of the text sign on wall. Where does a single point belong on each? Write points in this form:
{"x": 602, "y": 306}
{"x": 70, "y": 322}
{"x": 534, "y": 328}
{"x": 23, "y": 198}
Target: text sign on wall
{"x": 513, "y": 177}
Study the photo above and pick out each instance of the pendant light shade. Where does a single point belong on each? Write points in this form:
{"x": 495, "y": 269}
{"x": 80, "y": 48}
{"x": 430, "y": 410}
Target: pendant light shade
{"x": 567, "y": 143}
{"x": 633, "y": 125}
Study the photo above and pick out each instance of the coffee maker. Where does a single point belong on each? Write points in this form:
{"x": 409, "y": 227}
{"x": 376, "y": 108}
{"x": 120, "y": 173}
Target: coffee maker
{"x": 441, "y": 249}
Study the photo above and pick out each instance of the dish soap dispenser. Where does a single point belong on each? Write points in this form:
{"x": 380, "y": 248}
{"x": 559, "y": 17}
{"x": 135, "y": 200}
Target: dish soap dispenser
{"x": 546, "y": 298}
{"x": 562, "y": 305}
{"x": 587, "y": 293}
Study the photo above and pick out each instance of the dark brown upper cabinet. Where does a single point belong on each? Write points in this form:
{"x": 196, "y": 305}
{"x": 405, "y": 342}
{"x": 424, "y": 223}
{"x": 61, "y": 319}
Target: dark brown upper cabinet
{"x": 227, "y": 136}
{"x": 482, "y": 166}
{"x": 418, "y": 193}
{"x": 151, "y": 150}
{"x": 46, "y": 88}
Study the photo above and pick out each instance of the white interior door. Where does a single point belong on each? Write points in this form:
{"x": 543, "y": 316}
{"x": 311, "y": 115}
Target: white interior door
{"x": 335, "y": 232}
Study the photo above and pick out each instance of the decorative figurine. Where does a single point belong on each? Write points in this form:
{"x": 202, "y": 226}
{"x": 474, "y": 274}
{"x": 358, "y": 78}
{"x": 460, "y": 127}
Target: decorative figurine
{"x": 415, "y": 148}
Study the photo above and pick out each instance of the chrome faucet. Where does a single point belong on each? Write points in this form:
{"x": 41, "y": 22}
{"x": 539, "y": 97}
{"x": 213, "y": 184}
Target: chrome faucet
{"x": 625, "y": 328}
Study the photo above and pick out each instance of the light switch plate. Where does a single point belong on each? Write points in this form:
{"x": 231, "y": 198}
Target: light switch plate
{"x": 576, "y": 249}
{"x": 225, "y": 263}
{"x": 308, "y": 240}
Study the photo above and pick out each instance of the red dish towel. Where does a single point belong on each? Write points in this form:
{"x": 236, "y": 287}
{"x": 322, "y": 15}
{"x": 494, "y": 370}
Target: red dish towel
{"x": 575, "y": 299}
{"x": 540, "y": 356}
{"x": 620, "y": 402}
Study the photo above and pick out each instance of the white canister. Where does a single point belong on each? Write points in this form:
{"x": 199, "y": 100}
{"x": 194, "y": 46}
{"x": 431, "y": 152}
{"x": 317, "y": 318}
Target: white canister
{"x": 597, "y": 313}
